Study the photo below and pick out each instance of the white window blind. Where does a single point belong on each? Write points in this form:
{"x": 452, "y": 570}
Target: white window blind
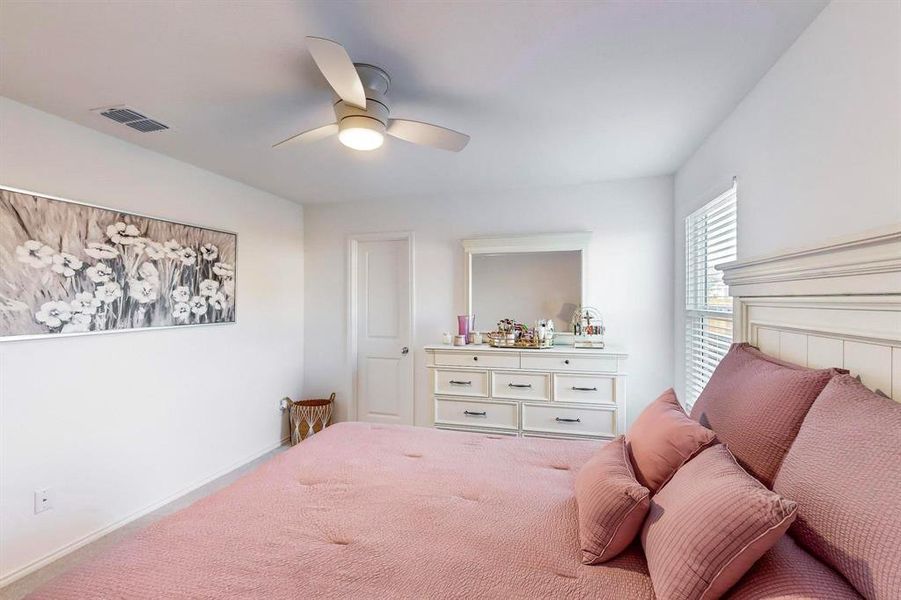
{"x": 710, "y": 240}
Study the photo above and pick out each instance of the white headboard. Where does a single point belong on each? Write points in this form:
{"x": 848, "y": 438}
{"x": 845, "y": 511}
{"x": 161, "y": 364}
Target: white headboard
{"x": 836, "y": 305}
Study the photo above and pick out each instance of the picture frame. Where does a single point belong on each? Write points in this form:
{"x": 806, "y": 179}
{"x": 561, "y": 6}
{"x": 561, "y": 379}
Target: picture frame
{"x": 71, "y": 268}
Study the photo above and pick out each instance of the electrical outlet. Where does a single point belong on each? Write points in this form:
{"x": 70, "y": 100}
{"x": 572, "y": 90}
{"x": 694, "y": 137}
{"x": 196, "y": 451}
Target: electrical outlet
{"x": 43, "y": 500}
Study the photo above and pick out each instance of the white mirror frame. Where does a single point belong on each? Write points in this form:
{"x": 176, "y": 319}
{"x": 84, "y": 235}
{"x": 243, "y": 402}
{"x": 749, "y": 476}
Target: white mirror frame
{"x": 544, "y": 242}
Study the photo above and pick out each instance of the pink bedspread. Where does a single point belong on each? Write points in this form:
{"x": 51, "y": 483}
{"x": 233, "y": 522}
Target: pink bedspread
{"x": 373, "y": 511}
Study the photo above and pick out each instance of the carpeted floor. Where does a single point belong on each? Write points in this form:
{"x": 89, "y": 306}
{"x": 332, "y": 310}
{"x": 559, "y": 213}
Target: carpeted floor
{"x": 22, "y": 587}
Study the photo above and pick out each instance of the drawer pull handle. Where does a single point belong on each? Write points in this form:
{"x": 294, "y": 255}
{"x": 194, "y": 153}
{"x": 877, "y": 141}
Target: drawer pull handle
{"x": 475, "y": 358}
{"x": 519, "y": 385}
{"x": 455, "y": 382}
{"x": 584, "y": 389}
{"x": 470, "y": 413}
{"x": 562, "y": 420}
{"x": 566, "y": 362}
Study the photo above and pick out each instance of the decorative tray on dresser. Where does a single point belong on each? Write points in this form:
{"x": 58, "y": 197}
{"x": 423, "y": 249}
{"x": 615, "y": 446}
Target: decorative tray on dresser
{"x": 556, "y": 392}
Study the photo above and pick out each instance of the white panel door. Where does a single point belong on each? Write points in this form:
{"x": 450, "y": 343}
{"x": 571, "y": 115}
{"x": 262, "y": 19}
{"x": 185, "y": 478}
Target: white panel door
{"x": 384, "y": 363}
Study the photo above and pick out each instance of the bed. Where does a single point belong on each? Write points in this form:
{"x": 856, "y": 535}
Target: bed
{"x": 376, "y": 511}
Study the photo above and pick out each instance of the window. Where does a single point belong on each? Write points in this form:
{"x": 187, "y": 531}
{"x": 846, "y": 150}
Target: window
{"x": 710, "y": 240}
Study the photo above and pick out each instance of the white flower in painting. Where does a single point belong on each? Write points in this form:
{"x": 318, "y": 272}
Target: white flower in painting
{"x": 100, "y": 273}
{"x": 79, "y": 324}
{"x": 209, "y": 252}
{"x": 143, "y": 290}
{"x": 35, "y": 254}
{"x": 100, "y": 251}
{"x": 188, "y": 256}
{"x": 108, "y": 292}
{"x": 149, "y": 272}
{"x": 229, "y": 287}
{"x": 181, "y": 311}
{"x": 198, "y": 305}
{"x": 218, "y": 301}
{"x": 224, "y": 270}
{"x": 146, "y": 288}
{"x": 66, "y": 264}
{"x": 9, "y": 305}
{"x": 208, "y": 287}
{"x": 172, "y": 250}
{"x": 180, "y": 294}
{"x": 122, "y": 233}
{"x": 85, "y": 303}
{"x": 53, "y": 314}
{"x": 154, "y": 250}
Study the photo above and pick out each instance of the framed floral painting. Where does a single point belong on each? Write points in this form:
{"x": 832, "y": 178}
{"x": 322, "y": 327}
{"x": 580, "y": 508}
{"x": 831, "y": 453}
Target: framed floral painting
{"x": 69, "y": 268}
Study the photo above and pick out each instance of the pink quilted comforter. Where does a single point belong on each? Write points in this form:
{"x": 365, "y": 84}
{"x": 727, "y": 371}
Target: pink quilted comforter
{"x": 373, "y": 511}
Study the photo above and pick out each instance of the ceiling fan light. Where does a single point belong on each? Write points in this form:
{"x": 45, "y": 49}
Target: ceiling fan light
{"x": 361, "y": 133}
{"x": 361, "y": 139}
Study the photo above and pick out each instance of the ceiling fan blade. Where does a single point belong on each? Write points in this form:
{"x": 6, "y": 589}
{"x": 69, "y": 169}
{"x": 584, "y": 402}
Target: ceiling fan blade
{"x": 427, "y": 134}
{"x": 339, "y": 70}
{"x": 311, "y": 135}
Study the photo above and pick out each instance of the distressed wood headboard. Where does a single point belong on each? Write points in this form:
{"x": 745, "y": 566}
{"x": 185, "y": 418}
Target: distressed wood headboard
{"x": 835, "y": 305}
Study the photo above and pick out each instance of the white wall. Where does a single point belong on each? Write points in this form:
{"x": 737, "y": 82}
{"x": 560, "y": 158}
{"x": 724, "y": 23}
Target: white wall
{"x": 116, "y": 423}
{"x": 816, "y": 145}
{"x": 630, "y": 277}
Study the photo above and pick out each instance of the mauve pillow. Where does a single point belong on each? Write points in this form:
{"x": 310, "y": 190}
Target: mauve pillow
{"x": 844, "y": 470}
{"x": 755, "y": 404}
{"x": 787, "y": 572}
{"x": 612, "y": 504}
{"x": 709, "y": 525}
{"x": 662, "y": 439}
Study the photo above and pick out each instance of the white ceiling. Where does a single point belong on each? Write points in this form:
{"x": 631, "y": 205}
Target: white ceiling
{"x": 551, "y": 92}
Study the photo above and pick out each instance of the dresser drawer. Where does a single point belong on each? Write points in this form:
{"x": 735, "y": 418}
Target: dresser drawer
{"x": 450, "y": 382}
{"x": 521, "y": 386}
{"x": 591, "y": 389}
{"x": 506, "y": 360}
{"x": 569, "y": 420}
{"x": 475, "y": 413}
{"x": 568, "y": 362}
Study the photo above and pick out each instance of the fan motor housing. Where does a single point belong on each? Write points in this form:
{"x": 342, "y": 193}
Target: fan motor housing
{"x": 375, "y": 109}
{"x": 373, "y": 78}
{"x": 375, "y": 83}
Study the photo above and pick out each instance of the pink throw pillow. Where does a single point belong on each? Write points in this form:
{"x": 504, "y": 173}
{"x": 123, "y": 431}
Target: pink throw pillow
{"x": 756, "y": 403}
{"x": 844, "y": 470}
{"x": 709, "y": 525}
{"x": 612, "y": 504}
{"x": 662, "y": 439}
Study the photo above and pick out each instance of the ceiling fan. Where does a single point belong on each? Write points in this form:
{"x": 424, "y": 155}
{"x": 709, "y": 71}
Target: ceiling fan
{"x": 362, "y": 107}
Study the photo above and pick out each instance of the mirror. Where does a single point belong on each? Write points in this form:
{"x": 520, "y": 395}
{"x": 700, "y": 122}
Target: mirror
{"x": 525, "y": 278}
{"x": 526, "y": 286}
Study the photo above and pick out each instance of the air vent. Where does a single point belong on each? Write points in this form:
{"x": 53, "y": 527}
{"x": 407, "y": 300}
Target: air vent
{"x": 122, "y": 115}
{"x": 147, "y": 125}
{"x": 131, "y": 118}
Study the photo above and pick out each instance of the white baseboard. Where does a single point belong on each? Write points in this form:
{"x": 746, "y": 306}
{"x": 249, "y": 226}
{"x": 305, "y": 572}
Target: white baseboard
{"x": 33, "y": 566}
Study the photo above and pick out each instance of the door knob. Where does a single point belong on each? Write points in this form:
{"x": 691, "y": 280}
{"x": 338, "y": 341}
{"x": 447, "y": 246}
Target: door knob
{"x": 404, "y": 350}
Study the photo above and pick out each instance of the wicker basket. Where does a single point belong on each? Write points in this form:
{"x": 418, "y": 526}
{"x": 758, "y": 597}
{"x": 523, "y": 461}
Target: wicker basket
{"x": 309, "y": 416}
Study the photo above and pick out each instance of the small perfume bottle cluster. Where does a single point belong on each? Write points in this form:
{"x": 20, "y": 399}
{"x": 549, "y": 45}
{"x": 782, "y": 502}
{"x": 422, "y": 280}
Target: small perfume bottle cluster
{"x": 510, "y": 333}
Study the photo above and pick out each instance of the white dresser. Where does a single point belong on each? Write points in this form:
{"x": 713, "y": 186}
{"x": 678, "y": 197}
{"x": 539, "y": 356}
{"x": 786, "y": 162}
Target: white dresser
{"x": 557, "y": 392}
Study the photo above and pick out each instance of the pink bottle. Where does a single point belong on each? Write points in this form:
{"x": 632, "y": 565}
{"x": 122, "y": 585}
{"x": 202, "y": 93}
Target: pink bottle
{"x": 464, "y": 322}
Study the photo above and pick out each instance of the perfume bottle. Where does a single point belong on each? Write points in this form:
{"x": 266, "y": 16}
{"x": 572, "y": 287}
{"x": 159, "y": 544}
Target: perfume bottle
{"x": 464, "y": 323}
